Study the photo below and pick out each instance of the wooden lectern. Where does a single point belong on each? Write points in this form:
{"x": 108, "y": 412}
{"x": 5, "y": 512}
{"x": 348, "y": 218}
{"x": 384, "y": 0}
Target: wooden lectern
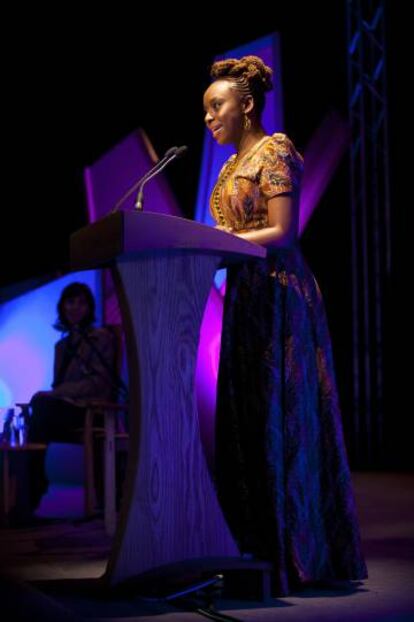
{"x": 163, "y": 267}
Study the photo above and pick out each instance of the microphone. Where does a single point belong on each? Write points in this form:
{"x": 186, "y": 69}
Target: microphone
{"x": 172, "y": 154}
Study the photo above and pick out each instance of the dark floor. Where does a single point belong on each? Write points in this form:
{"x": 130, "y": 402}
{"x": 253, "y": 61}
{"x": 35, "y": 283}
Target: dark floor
{"x": 51, "y": 572}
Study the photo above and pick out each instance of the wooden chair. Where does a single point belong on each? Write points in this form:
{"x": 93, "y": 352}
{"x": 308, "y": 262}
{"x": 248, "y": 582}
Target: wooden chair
{"x": 112, "y": 430}
{"x": 112, "y": 433}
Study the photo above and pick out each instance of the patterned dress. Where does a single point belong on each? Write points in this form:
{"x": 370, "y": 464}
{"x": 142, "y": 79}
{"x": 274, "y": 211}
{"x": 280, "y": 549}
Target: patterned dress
{"x": 281, "y": 468}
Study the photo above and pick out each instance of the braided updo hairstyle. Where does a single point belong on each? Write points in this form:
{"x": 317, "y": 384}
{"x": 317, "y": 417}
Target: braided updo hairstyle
{"x": 249, "y": 75}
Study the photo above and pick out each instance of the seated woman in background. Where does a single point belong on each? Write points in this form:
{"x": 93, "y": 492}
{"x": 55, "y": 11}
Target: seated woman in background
{"x": 84, "y": 369}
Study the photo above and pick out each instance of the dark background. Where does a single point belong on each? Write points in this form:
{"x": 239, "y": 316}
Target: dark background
{"x": 77, "y": 84}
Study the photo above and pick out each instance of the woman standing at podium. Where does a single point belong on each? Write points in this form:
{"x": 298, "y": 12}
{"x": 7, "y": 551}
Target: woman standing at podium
{"x": 281, "y": 468}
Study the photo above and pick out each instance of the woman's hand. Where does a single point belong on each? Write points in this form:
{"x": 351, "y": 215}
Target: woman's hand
{"x": 224, "y": 228}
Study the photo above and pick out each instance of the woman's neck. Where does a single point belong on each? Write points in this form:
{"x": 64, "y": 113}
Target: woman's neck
{"x": 248, "y": 140}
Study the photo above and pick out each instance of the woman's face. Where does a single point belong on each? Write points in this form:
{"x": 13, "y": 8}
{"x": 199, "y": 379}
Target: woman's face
{"x": 224, "y": 112}
{"x": 75, "y": 309}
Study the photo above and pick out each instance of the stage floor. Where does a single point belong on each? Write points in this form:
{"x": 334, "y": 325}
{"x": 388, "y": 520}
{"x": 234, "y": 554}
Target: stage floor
{"x": 53, "y": 570}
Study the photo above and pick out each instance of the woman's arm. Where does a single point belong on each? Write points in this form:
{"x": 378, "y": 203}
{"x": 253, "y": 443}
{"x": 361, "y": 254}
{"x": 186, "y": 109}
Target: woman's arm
{"x": 93, "y": 366}
{"x": 283, "y": 223}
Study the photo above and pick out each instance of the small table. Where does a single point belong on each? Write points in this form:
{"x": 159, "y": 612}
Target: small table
{"x": 5, "y": 450}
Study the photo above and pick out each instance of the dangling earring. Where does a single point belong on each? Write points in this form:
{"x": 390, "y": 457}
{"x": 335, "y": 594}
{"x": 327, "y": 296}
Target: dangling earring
{"x": 247, "y": 124}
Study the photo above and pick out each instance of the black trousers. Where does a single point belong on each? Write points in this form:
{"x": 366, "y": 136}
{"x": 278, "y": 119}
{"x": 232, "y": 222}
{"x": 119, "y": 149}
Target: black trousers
{"x": 52, "y": 419}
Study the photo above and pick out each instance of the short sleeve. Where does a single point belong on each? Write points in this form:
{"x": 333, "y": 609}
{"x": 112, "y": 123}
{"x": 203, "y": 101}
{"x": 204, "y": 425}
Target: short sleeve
{"x": 281, "y": 167}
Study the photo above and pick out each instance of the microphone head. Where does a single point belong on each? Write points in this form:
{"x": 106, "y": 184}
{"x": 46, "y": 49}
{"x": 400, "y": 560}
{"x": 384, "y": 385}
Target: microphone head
{"x": 181, "y": 151}
{"x": 172, "y": 151}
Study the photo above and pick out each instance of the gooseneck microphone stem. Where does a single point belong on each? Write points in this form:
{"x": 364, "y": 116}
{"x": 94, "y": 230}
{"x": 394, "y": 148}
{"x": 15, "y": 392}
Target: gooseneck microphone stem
{"x": 172, "y": 154}
{"x": 142, "y": 179}
{"x": 140, "y": 197}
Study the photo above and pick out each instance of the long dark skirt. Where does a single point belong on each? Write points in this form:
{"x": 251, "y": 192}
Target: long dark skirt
{"x": 281, "y": 468}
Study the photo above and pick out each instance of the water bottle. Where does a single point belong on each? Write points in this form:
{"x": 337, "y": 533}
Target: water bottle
{"x": 7, "y": 426}
{"x": 20, "y": 427}
{"x": 13, "y": 430}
